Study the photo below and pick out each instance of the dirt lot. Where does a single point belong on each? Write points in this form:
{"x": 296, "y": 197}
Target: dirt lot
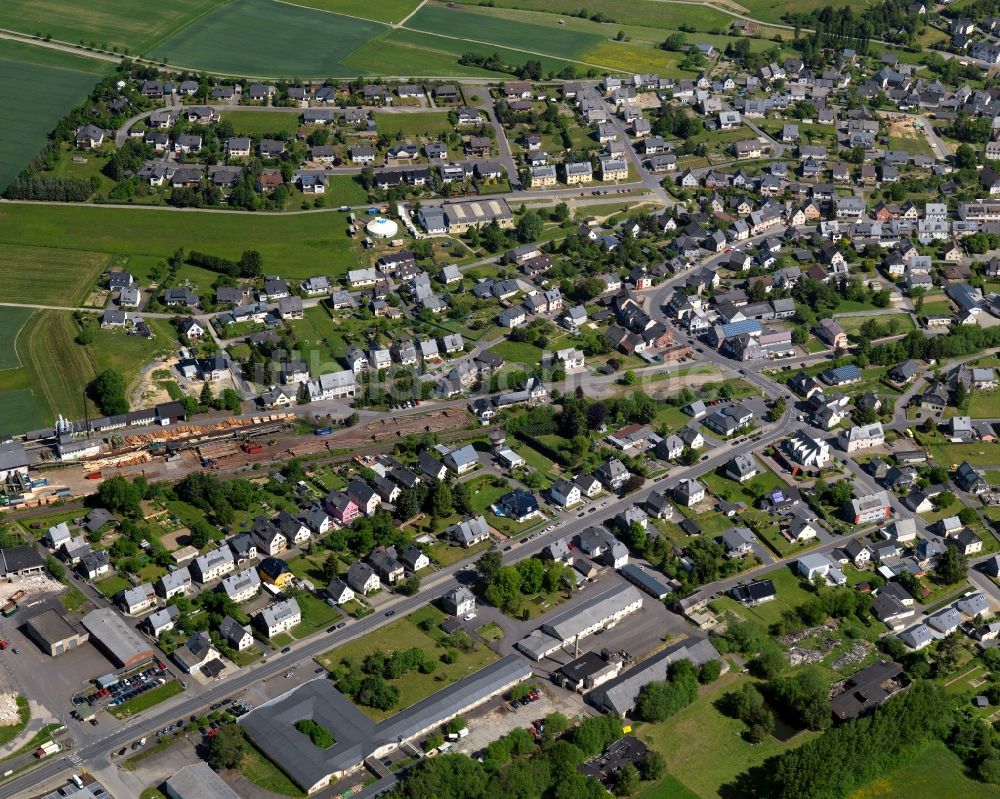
{"x": 497, "y": 720}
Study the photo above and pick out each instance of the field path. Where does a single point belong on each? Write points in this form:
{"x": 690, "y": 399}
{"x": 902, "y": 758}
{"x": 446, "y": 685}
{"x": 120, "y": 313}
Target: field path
{"x": 406, "y": 19}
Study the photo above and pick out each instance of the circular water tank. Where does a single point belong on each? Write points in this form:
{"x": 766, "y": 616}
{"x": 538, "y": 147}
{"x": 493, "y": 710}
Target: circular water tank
{"x": 382, "y": 228}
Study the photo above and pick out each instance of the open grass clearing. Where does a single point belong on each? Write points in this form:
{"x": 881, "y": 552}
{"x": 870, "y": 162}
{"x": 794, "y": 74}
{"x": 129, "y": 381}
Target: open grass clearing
{"x": 705, "y": 749}
{"x": 267, "y": 39}
{"x": 853, "y": 324}
{"x": 42, "y": 85}
{"x": 985, "y": 405}
{"x": 405, "y": 634}
{"x": 296, "y": 246}
{"x": 933, "y": 772}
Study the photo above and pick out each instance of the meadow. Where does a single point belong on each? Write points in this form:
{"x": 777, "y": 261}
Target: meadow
{"x": 936, "y": 771}
{"x": 11, "y": 322}
{"x": 434, "y": 124}
{"x": 267, "y": 39}
{"x": 41, "y": 85}
{"x": 49, "y": 276}
{"x": 293, "y": 245}
{"x": 129, "y": 25}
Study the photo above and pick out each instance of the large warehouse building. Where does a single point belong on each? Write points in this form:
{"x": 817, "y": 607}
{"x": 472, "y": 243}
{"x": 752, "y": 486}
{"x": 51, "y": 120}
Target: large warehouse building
{"x": 119, "y": 642}
{"x": 272, "y": 726}
{"x": 198, "y": 782}
{"x": 53, "y": 633}
{"x": 598, "y": 613}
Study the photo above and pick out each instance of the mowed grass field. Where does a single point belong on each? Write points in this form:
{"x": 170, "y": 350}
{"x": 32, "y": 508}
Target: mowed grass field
{"x": 382, "y": 10}
{"x": 49, "y": 276}
{"x": 294, "y": 246}
{"x": 250, "y": 123}
{"x": 418, "y": 123}
{"x": 131, "y": 25}
{"x": 264, "y": 38}
{"x": 11, "y": 322}
{"x": 38, "y": 87}
{"x": 935, "y": 772}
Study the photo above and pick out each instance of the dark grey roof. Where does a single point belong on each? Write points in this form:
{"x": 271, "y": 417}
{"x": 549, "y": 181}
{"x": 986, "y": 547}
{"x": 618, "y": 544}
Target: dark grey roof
{"x": 271, "y": 726}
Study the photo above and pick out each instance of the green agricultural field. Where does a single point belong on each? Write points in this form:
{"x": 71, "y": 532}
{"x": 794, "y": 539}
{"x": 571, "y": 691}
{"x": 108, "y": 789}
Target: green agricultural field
{"x": 469, "y": 24}
{"x": 49, "y": 276}
{"x": 647, "y": 13}
{"x": 392, "y": 11}
{"x": 418, "y": 53}
{"x": 11, "y": 322}
{"x": 41, "y": 85}
{"x": 259, "y": 123}
{"x": 129, "y": 25}
{"x": 19, "y": 411}
{"x": 433, "y": 124}
{"x": 294, "y": 246}
{"x": 774, "y": 10}
{"x": 267, "y": 39}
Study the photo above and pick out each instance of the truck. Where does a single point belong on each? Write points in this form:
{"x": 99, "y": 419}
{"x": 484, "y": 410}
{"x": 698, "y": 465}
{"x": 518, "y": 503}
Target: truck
{"x": 94, "y": 476}
{"x": 8, "y": 610}
{"x": 47, "y": 748}
{"x": 323, "y": 431}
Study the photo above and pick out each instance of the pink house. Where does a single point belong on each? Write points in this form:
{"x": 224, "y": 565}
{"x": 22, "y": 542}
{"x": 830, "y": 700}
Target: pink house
{"x": 341, "y": 507}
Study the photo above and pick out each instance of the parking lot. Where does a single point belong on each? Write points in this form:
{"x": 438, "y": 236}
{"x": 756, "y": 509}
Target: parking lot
{"x": 129, "y": 686}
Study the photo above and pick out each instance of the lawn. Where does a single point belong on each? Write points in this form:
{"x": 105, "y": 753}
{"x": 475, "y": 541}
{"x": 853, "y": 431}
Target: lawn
{"x": 266, "y": 39}
{"x": 432, "y": 124}
{"x": 260, "y": 771}
{"x": 50, "y": 276}
{"x": 748, "y": 492}
{"x": 42, "y": 85}
{"x": 147, "y": 700}
{"x": 668, "y": 788}
{"x": 316, "y": 615}
{"x": 382, "y": 11}
{"x": 405, "y": 634}
{"x": 295, "y": 246}
{"x": 977, "y": 453}
{"x": 518, "y": 352}
{"x": 110, "y": 586}
{"x": 985, "y": 405}
{"x": 790, "y": 594}
{"x": 852, "y": 324}
{"x": 260, "y": 123}
{"x": 704, "y": 748}
{"x": 73, "y": 599}
{"x": 934, "y": 772}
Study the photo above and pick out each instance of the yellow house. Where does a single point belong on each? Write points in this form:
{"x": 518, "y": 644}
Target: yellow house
{"x": 275, "y": 571}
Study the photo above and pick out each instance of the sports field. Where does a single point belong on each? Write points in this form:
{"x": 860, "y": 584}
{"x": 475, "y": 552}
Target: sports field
{"x": 294, "y": 245}
{"x": 130, "y": 25}
{"x": 382, "y": 10}
{"x": 49, "y": 276}
{"x": 38, "y": 87}
{"x": 265, "y": 38}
